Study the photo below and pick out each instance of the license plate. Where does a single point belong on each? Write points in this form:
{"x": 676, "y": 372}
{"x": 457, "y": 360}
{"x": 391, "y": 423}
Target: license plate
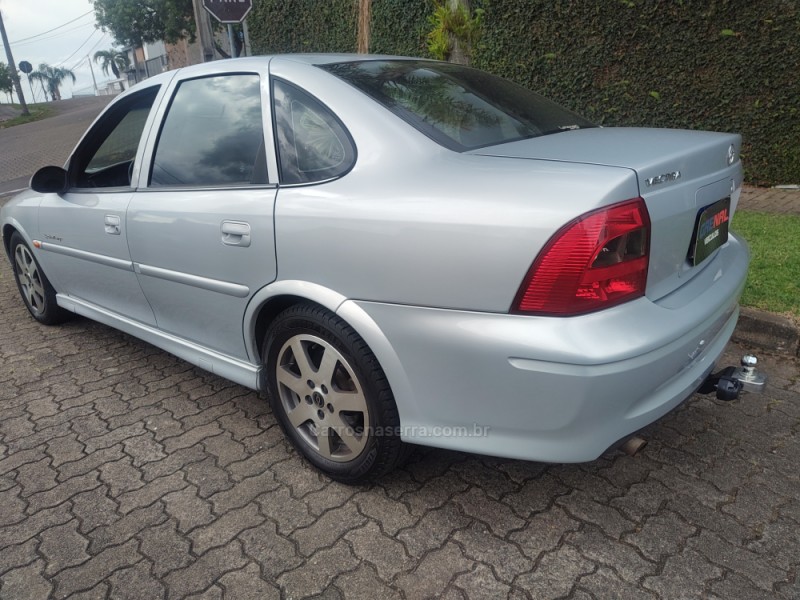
{"x": 711, "y": 230}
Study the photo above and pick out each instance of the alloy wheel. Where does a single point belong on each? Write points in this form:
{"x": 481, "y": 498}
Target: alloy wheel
{"x": 322, "y": 398}
{"x": 29, "y": 279}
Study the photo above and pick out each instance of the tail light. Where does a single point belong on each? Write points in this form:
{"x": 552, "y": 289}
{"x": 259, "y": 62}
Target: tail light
{"x": 598, "y": 260}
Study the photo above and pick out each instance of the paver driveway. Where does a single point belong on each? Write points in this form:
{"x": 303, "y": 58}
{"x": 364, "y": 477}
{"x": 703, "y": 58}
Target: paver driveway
{"x": 125, "y": 472}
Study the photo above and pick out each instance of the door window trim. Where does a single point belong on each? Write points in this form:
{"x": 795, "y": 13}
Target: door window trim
{"x": 88, "y": 138}
{"x": 164, "y": 114}
{"x": 353, "y": 160}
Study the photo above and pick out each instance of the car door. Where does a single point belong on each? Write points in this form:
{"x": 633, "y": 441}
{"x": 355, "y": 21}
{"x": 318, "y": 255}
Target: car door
{"x": 83, "y": 231}
{"x": 200, "y": 229}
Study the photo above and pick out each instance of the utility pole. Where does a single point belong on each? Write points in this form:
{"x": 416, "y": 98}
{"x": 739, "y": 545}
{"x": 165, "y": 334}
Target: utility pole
{"x": 12, "y": 67}
{"x": 247, "y": 51}
{"x": 94, "y": 81}
{"x": 203, "y": 30}
{"x": 231, "y": 40}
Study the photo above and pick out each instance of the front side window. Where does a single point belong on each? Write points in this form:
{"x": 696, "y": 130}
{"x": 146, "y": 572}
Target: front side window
{"x": 458, "y": 107}
{"x": 212, "y": 134}
{"x": 312, "y": 144}
{"x": 105, "y": 158}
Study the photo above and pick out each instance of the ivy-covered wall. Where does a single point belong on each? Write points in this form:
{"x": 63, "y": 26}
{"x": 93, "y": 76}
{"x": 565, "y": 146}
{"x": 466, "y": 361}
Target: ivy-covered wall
{"x": 400, "y": 26}
{"x": 724, "y": 65}
{"x": 277, "y": 26}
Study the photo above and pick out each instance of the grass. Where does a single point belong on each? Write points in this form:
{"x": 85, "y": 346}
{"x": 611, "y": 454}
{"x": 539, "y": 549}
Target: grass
{"x": 773, "y": 283}
{"x": 38, "y": 111}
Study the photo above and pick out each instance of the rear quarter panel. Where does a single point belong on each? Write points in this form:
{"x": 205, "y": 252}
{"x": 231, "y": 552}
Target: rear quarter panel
{"x": 414, "y": 223}
{"x": 456, "y": 232}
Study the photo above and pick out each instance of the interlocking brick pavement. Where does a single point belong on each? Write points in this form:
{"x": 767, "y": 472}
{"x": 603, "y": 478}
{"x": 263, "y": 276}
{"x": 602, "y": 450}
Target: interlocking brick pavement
{"x": 127, "y": 473}
{"x": 770, "y": 200}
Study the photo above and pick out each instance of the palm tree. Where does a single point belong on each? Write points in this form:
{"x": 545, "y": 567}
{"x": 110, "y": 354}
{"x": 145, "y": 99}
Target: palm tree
{"x": 6, "y": 83}
{"x": 112, "y": 60}
{"x": 52, "y": 78}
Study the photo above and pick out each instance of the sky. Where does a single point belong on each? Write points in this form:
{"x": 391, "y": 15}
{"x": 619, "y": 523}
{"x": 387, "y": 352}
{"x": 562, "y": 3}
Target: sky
{"x": 67, "y": 46}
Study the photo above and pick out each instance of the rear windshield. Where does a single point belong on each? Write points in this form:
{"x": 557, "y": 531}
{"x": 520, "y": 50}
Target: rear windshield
{"x": 458, "y": 107}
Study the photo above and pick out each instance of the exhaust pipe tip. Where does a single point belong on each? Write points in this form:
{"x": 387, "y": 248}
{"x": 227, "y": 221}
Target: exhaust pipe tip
{"x": 633, "y": 445}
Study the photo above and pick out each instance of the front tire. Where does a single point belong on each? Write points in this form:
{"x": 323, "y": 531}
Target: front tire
{"x": 34, "y": 287}
{"x": 330, "y": 395}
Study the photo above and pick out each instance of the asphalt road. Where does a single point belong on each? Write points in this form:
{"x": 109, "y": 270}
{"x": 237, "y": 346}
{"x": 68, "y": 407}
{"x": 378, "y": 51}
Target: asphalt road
{"x": 26, "y": 148}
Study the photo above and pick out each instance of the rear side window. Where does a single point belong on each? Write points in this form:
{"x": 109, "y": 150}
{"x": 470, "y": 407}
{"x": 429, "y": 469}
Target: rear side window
{"x": 212, "y": 134}
{"x": 313, "y": 145}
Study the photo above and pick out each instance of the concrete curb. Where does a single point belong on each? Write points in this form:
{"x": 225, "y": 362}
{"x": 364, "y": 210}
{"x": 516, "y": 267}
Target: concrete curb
{"x": 767, "y": 331}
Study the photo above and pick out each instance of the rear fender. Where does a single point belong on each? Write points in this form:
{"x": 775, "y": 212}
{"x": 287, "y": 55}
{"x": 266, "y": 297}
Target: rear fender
{"x": 349, "y": 311}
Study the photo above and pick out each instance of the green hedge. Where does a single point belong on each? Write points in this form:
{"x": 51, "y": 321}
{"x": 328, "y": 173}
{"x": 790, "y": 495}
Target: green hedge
{"x": 277, "y": 26}
{"x": 724, "y": 65}
{"x": 718, "y": 65}
{"x": 400, "y": 27}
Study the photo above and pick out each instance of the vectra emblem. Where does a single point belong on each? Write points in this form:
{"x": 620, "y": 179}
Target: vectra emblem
{"x": 664, "y": 178}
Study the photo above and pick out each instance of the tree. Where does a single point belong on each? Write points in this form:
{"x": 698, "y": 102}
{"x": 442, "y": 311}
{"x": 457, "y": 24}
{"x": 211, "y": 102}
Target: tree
{"x": 134, "y": 22}
{"x": 52, "y": 78}
{"x": 364, "y": 18}
{"x": 6, "y": 82}
{"x": 112, "y": 60}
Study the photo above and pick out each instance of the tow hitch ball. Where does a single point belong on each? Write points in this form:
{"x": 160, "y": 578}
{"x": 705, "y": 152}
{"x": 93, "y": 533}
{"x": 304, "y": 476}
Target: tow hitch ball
{"x": 730, "y": 381}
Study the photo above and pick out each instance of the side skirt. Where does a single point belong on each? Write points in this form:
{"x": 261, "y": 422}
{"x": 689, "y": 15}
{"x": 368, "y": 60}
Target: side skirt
{"x": 238, "y": 371}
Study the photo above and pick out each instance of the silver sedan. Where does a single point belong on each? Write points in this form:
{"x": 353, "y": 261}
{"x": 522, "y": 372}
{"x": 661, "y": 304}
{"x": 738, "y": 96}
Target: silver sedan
{"x": 397, "y": 251}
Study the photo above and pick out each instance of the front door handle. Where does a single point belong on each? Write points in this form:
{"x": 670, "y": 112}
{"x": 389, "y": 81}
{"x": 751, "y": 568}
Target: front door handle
{"x": 112, "y": 224}
{"x": 235, "y": 233}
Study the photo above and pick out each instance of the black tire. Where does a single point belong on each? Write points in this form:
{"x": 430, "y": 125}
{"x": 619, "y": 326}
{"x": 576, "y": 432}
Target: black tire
{"x": 34, "y": 287}
{"x": 356, "y": 379}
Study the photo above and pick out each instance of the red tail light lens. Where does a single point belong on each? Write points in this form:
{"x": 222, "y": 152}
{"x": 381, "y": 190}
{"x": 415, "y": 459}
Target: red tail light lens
{"x": 598, "y": 260}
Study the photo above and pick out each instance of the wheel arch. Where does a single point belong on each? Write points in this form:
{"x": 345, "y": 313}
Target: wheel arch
{"x": 275, "y": 297}
{"x": 10, "y": 227}
{"x": 270, "y": 300}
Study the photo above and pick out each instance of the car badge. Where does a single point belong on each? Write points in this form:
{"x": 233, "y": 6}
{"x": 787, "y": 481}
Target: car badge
{"x": 663, "y": 178}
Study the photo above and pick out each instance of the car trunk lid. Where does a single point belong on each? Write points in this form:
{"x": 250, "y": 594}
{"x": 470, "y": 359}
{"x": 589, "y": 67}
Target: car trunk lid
{"x": 680, "y": 173}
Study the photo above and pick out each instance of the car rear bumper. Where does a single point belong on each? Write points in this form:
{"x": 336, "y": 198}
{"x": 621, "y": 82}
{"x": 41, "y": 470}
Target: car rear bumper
{"x": 556, "y": 389}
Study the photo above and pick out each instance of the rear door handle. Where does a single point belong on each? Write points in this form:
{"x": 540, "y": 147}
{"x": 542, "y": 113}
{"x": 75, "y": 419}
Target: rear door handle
{"x": 112, "y": 224}
{"x": 235, "y": 233}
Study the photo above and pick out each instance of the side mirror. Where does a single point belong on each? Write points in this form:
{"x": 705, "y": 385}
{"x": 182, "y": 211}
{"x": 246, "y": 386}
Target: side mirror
{"x": 49, "y": 180}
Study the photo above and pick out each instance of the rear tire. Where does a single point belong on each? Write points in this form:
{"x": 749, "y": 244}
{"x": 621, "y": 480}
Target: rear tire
{"x": 34, "y": 287}
{"x": 331, "y": 396}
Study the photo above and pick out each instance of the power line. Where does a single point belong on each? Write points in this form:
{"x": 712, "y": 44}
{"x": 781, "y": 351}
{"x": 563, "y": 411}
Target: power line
{"x": 77, "y": 64}
{"x": 88, "y": 54}
{"x": 54, "y": 36}
{"x": 78, "y": 48}
{"x": 53, "y": 29}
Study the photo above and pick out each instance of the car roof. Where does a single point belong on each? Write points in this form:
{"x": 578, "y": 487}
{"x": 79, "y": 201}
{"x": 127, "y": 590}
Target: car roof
{"x": 324, "y": 59}
{"x": 251, "y": 64}
{"x": 258, "y": 62}
{"x": 310, "y": 59}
